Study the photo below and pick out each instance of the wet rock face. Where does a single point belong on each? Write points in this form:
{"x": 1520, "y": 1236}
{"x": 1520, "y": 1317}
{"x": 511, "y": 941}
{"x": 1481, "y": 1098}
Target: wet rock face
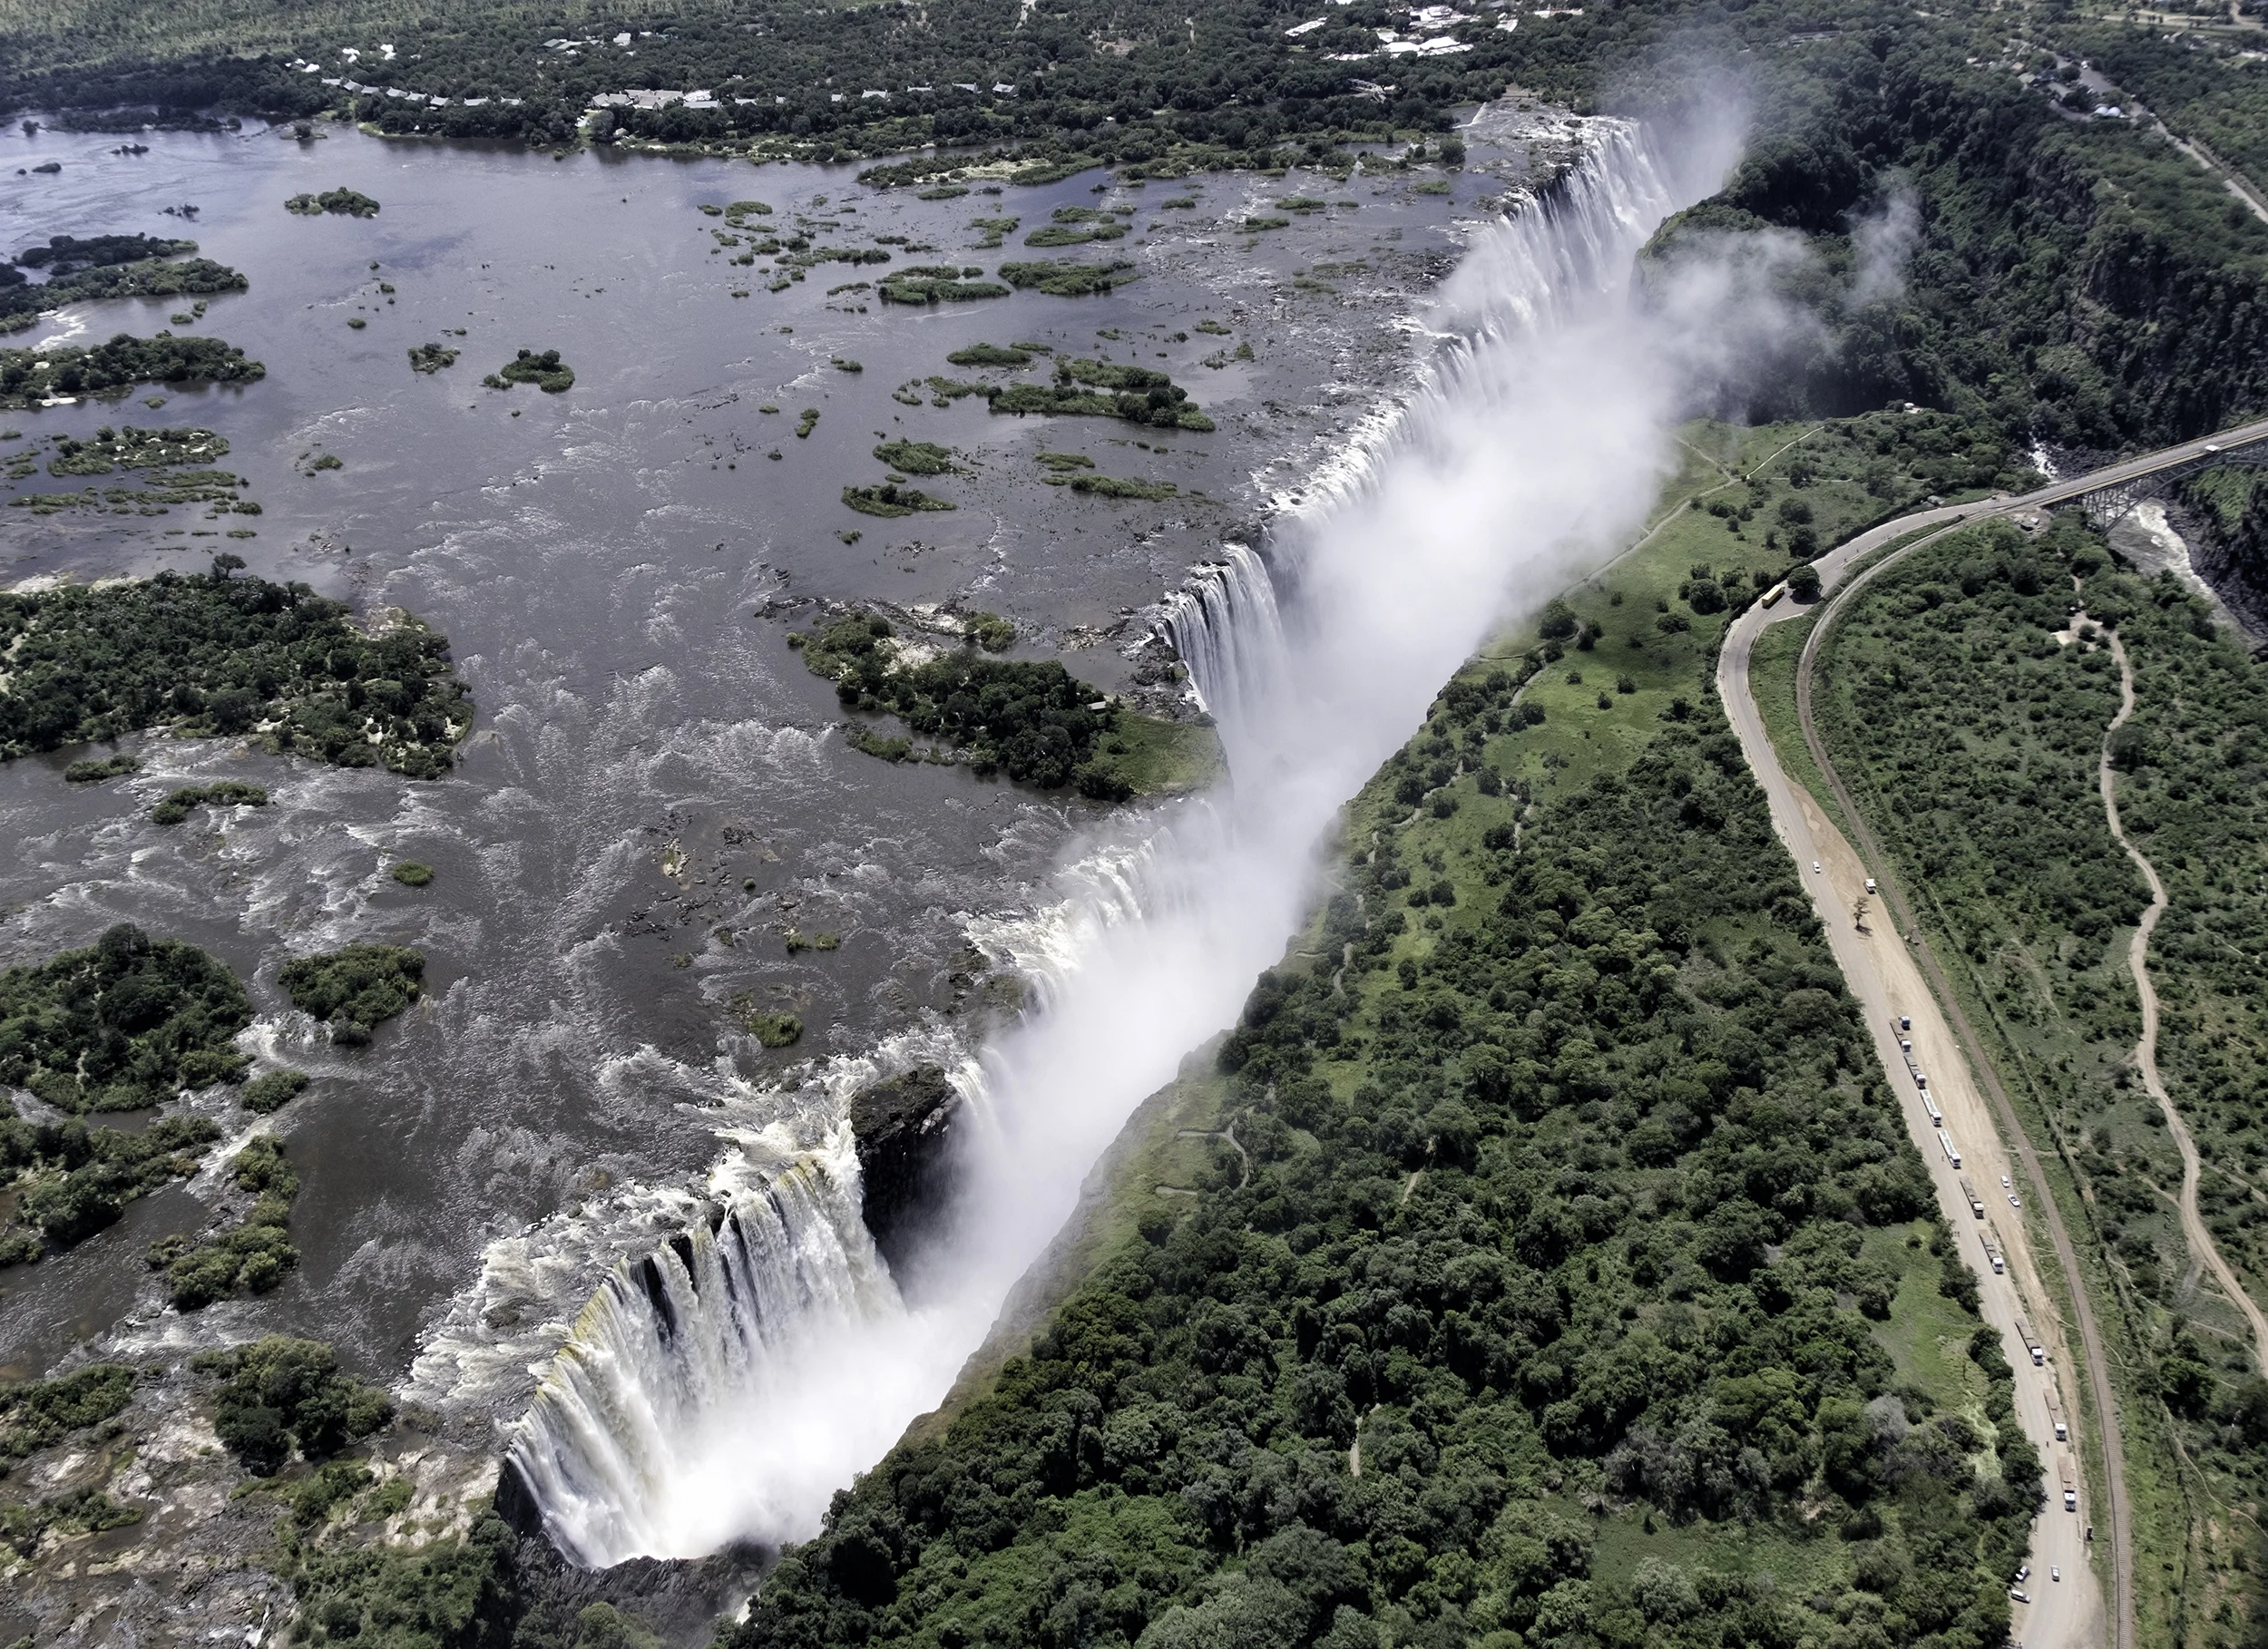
{"x": 904, "y": 1127}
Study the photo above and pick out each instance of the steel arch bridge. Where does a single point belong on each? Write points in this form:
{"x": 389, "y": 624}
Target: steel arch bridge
{"x": 2109, "y": 505}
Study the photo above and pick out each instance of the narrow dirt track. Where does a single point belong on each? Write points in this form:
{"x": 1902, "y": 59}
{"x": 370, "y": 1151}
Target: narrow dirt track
{"x": 2201, "y": 1241}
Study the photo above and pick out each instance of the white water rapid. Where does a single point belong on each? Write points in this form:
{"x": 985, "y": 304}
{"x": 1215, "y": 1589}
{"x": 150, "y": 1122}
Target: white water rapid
{"x": 725, "y": 1387}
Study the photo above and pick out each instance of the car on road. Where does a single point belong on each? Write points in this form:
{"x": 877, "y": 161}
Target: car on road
{"x": 2015, "y": 1200}
{"x": 2006, "y": 1183}
{"x": 2023, "y": 1574}
{"x": 2019, "y": 1594}
{"x": 2054, "y": 1573}
{"x": 1815, "y": 867}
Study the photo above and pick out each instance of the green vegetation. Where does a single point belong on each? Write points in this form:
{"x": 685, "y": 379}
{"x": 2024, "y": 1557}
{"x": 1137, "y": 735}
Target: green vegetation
{"x": 347, "y": 202}
{"x": 806, "y": 421}
{"x": 1099, "y": 389}
{"x": 917, "y": 457}
{"x": 1075, "y": 226}
{"x": 927, "y": 283}
{"x": 279, "y": 1396}
{"x": 2204, "y": 86}
{"x": 1257, "y": 224}
{"x": 1541, "y": 1261}
{"x": 28, "y": 378}
{"x": 989, "y": 631}
{"x": 266, "y": 1095}
{"x": 251, "y": 1256}
{"x": 221, "y": 655}
{"x": 891, "y": 499}
{"x": 123, "y": 1025}
{"x": 546, "y": 371}
{"x": 225, "y": 792}
{"x": 95, "y": 772}
{"x": 1112, "y": 487}
{"x": 1062, "y": 463}
{"x": 1971, "y": 737}
{"x": 73, "y": 1181}
{"x": 410, "y": 873}
{"x": 773, "y": 1030}
{"x": 79, "y": 1511}
{"x": 43, "y": 1412}
{"x": 990, "y": 355}
{"x": 106, "y": 266}
{"x": 1068, "y": 277}
{"x": 1028, "y": 719}
{"x": 355, "y": 989}
{"x": 130, "y": 448}
{"x": 431, "y": 357}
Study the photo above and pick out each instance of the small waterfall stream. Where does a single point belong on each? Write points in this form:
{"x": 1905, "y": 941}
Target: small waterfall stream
{"x": 725, "y": 1386}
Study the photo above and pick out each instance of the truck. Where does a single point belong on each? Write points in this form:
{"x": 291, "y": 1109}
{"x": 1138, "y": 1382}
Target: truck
{"x": 2070, "y": 1483}
{"x": 1869, "y": 884}
{"x": 1976, "y": 1203}
{"x": 2031, "y": 1341}
{"x": 1905, "y": 1021}
{"x": 2055, "y": 1415}
{"x": 1772, "y": 596}
{"x": 1953, "y": 1151}
{"x": 1992, "y": 1241}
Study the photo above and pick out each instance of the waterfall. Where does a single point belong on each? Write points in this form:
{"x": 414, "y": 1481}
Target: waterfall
{"x": 1225, "y": 625}
{"x": 725, "y": 1387}
{"x": 619, "y": 1445}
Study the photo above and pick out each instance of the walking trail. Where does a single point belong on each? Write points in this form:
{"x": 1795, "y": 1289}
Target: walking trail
{"x": 2200, "y": 1243}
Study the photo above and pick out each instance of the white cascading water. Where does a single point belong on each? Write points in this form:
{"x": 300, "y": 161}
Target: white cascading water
{"x": 1531, "y": 452}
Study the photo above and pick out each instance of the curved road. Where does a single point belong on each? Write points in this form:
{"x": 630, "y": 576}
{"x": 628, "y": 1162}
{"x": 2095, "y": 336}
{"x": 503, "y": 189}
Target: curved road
{"x": 1893, "y": 979}
{"x": 2201, "y": 1241}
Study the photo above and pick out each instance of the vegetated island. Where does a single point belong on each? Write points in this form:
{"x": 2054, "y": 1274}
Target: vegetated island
{"x": 1070, "y": 277}
{"x": 345, "y": 202}
{"x": 1085, "y": 388}
{"x": 1033, "y": 721}
{"x": 431, "y": 357}
{"x": 546, "y": 371}
{"x": 936, "y": 283}
{"x": 104, "y": 266}
{"x": 888, "y": 499}
{"x": 355, "y": 990}
{"x": 124, "y": 1025}
{"x": 217, "y": 654}
{"x": 29, "y": 378}
{"x": 249, "y": 1255}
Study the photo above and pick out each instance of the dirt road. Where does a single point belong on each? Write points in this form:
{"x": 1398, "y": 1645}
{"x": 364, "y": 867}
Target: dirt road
{"x": 1887, "y": 980}
{"x": 2200, "y": 1243}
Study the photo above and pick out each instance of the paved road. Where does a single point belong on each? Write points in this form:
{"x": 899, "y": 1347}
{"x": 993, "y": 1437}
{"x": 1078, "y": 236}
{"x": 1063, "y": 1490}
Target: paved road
{"x": 2202, "y": 1246}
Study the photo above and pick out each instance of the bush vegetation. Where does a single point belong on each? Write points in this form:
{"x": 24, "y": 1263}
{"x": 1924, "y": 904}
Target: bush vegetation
{"x": 410, "y": 873}
{"x": 123, "y": 1025}
{"x": 94, "y": 772}
{"x": 249, "y": 1257}
{"x": 354, "y": 989}
{"x": 1972, "y": 739}
{"x": 431, "y": 357}
{"x": 39, "y": 1413}
{"x": 73, "y": 1181}
{"x": 265, "y": 1095}
{"x": 888, "y": 499}
{"x": 345, "y": 202}
{"x": 225, "y": 792}
{"x": 917, "y": 457}
{"x": 277, "y": 1397}
{"x": 228, "y": 656}
{"x": 1068, "y": 277}
{"x": 27, "y": 377}
{"x": 105, "y": 267}
{"x": 546, "y": 371}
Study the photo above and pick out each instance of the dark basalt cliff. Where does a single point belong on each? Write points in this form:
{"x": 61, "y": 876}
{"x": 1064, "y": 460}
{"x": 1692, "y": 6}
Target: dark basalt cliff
{"x": 903, "y": 1126}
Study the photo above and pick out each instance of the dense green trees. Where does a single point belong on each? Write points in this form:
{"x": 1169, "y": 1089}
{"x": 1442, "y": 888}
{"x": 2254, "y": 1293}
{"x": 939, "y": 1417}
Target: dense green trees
{"x": 81, "y": 270}
{"x": 279, "y": 1396}
{"x": 354, "y": 989}
{"x": 28, "y": 378}
{"x": 124, "y": 1024}
{"x": 1574, "y": 1186}
{"x": 1033, "y": 721}
{"x": 219, "y": 654}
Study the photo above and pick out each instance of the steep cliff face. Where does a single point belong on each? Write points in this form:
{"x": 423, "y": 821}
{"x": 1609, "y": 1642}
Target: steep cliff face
{"x": 2224, "y": 515}
{"x": 905, "y": 1128}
